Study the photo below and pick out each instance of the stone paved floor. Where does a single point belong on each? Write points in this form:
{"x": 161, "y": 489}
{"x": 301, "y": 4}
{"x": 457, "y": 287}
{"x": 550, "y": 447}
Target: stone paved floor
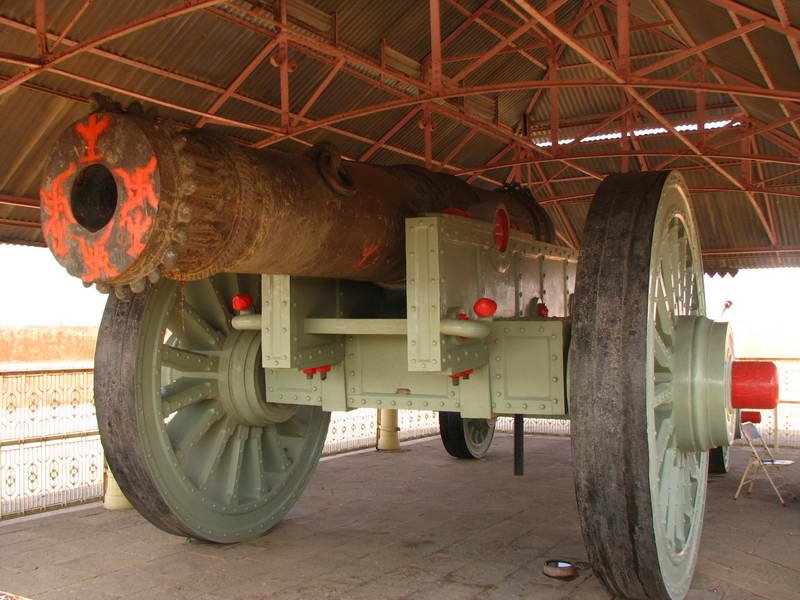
{"x": 412, "y": 525}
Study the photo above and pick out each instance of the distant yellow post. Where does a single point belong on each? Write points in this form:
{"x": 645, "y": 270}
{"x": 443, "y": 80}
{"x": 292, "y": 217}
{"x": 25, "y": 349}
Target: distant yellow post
{"x": 113, "y": 498}
{"x": 387, "y": 430}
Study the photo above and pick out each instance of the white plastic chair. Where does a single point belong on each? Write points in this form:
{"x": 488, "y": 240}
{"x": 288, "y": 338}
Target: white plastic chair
{"x": 762, "y": 459}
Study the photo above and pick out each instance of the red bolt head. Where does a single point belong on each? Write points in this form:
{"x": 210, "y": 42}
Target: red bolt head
{"x": 241, "y": 302}
{"x": 484, "y": 307}
{"x": 324, "y": 369}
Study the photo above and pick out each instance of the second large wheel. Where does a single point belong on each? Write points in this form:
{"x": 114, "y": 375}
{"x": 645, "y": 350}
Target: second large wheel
{"x": 638, "y": 442}
{"x": 183, "y": 418}
{"x": 465, "y": 438}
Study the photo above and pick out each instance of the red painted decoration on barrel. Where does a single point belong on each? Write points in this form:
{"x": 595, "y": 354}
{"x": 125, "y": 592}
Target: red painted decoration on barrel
{"x": 754, "y": 384}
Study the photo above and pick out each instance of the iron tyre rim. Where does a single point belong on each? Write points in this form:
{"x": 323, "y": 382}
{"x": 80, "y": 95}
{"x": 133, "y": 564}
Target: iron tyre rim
{"x": 640, "y": 499}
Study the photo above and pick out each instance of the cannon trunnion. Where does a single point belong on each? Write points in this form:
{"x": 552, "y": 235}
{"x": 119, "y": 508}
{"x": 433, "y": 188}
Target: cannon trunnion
{"x": 255, "y": 292}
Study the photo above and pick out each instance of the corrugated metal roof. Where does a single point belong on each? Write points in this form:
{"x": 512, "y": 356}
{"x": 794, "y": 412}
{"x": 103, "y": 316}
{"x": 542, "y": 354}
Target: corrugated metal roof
{"x": 183, "y": 64}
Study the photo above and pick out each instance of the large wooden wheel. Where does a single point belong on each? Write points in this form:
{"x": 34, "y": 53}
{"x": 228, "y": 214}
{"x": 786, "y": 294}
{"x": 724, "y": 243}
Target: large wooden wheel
{"x": 649, "y": 380}
{"x": 183, "y": 418}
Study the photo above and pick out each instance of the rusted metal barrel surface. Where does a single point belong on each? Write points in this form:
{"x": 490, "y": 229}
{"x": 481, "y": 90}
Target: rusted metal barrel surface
{"x": 124, "y": 198}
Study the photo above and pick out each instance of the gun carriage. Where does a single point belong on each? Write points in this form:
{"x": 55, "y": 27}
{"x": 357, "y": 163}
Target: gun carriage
{"x": 254, "y": 292}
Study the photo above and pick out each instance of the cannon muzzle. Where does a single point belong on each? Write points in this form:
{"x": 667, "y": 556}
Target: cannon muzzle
{"x": 125, "y": 199}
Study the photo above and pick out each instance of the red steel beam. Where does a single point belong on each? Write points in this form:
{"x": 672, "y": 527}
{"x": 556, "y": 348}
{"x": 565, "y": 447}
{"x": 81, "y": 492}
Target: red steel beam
{"x": 460, "y": 145}
{"x": 624, "y": 37}
{"x": 239, "y": 79}
{"x": 187, "y": 7}
{"x": 584, "y": 10}
{"x": 755, "y": 250}
{"x": 754, "y": 15}
{"x": 387, "y": 136}
{"x": 496, "y": 159}
{"x": 284, "y": 65}
{"x": 164, "y": 103}
{"x": 636, "y": 95}
{"x": 436, "y": 44}
{"x": 323, "y": 85}
{"x": 9, "y": 200}
{"x": 785, "y": 160}
{"x": 762, "y": 68}
{"x": 522, "y": 52}
{"x": 19, "y": 59}
{"x": 18, "y": 223}
{"x": 740, "y": 31}
{"x": 585, "y": 197}
{"x": 41, "y": 28}
{"x": 586, "y": 36}
{"x": 783, "y": 16}
{"x": 464, "y": 25}
{"x": 65, "y": 32}
{"x": 494, "y": 50}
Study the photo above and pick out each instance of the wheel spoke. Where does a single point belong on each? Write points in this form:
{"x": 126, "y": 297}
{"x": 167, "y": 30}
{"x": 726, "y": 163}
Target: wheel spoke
{"x": 276, "y": 457}
{"x": 662, "y": 353}
{"x": 184, "y": 436}
{"x": 186, "y": 360}
{"x": 663, "y": 396}
{"x": 212, "y": 454}
{"x": 184, "y": 392}
{"x": 674, "y": 503}
{"x": 222, "y": 303}
{"x": 192, "y": 329}
{"x": 234, "y": 460}
{"x": 668, "y": 281}
{"x": 663, "y": 439}
{"x": 665, "y": 316}
{"x": 254, "y": 458}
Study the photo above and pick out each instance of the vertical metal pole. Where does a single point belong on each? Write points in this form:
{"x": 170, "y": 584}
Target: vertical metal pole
{"x": 387, "y": 436}
{"x": 519, "y": 445}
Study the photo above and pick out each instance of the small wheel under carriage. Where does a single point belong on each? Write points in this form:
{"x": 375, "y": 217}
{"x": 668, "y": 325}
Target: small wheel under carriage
{"x": 465, "y": 438}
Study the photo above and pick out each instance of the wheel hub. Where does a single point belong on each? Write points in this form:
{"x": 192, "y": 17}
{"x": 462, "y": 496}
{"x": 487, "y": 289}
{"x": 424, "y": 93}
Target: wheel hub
{"x": 242, "y": 383}
{"x": 704, "y": 416}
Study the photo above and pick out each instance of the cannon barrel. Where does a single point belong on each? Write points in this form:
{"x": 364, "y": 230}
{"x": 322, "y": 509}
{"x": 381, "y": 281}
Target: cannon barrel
{"x": 125, "y": 198}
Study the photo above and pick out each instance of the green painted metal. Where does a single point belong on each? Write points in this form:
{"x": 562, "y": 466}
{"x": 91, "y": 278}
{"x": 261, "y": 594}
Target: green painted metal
{"x": 701, "y": 384}
{"x": 517, "y": 358}
{"x": 285, "y": 302}
{"x": 478, "y": 434}
{"x": 227, "y": 465}
{"x": 527, "y": 367}
{"x": 524, "y": 375}
{"x": 677, "y": 477}
{"x": 451, "y": 261}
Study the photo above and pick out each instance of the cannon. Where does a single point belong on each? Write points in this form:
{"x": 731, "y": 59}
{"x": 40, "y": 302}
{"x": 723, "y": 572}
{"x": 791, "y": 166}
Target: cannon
{"x": 254, "y": 292}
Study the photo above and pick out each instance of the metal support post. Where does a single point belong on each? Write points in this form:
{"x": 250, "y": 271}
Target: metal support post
{"x": 387, "y": 430}
{"x": 519, "y": 445}
{"x": 113, "y": 498}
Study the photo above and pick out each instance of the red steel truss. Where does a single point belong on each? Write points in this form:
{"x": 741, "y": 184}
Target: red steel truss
{"x": 737, "y": 159}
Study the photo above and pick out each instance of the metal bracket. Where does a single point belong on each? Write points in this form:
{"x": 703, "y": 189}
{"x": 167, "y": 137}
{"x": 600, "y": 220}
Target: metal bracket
{"x": 285, "y": 303}
{"x": 527, "y": 367}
